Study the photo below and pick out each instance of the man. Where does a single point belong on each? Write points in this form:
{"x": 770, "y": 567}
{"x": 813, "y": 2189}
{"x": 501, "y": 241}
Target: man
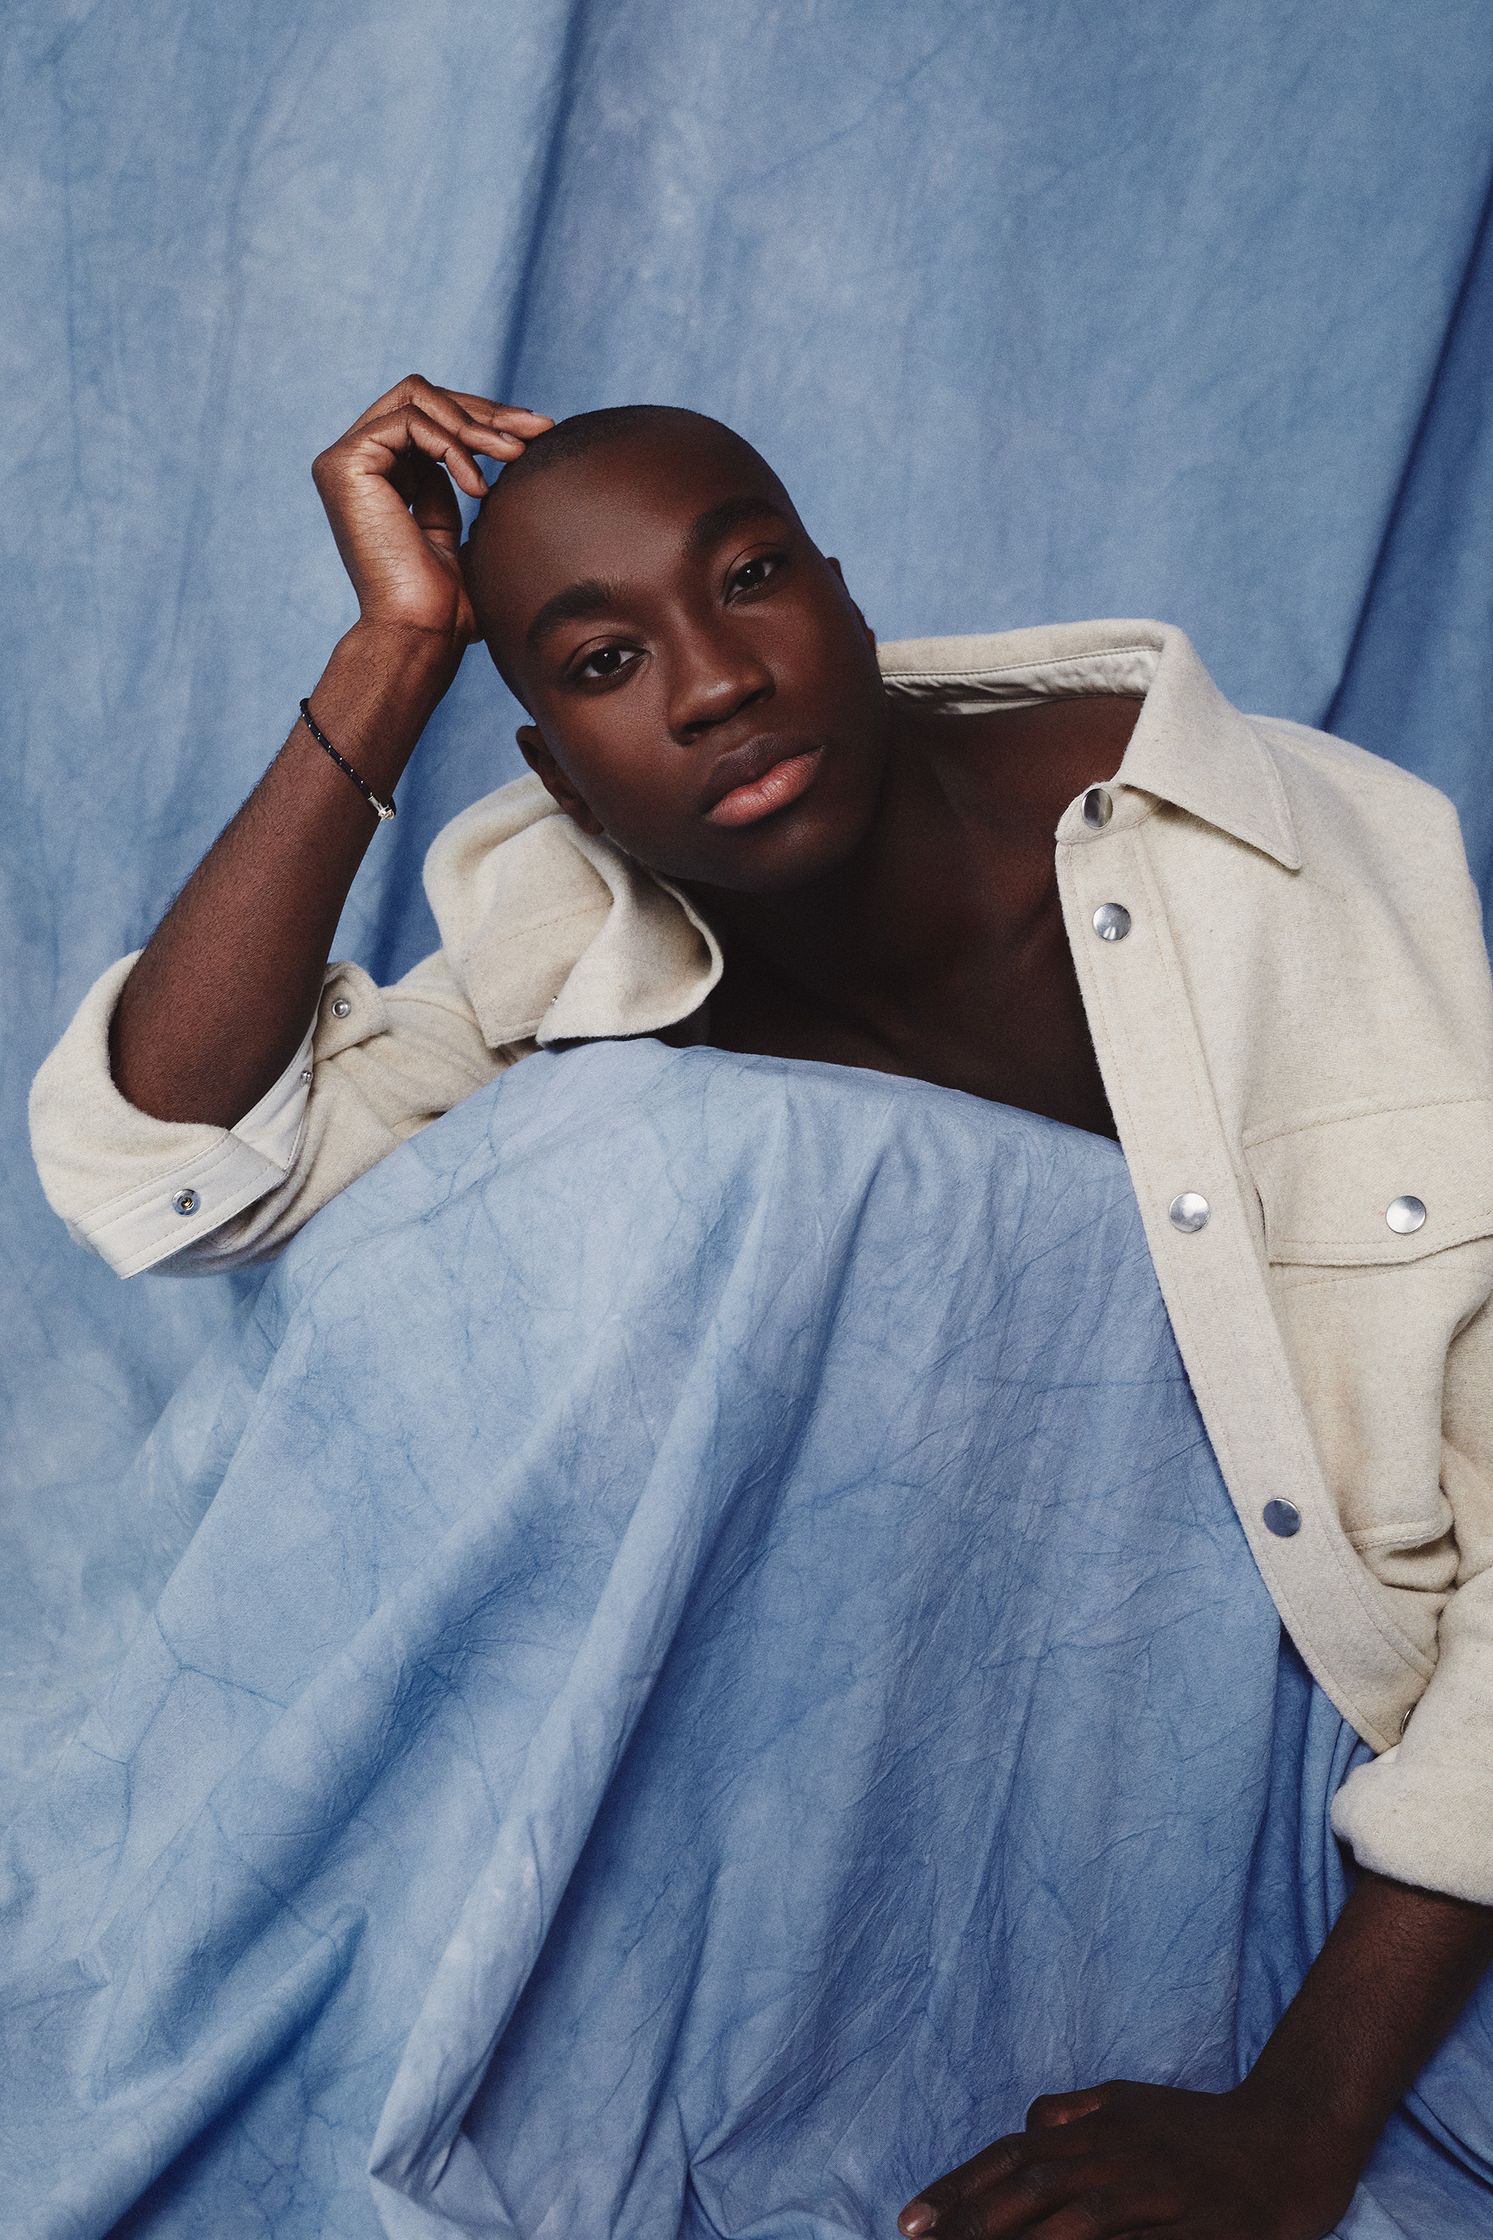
{"x": 746, "y": 825}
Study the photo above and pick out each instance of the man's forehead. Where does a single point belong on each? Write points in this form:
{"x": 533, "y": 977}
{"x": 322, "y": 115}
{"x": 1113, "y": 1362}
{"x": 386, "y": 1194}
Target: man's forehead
{"x": 630, "y": 483}
{"x": 588, "y": 526}
{"x": 632, "y": 530}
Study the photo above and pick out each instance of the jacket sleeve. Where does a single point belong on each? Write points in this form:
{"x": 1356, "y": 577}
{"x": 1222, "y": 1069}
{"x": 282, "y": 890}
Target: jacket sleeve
{"x": 1422, "y": 1812}
{"x": 187, "y": 1198}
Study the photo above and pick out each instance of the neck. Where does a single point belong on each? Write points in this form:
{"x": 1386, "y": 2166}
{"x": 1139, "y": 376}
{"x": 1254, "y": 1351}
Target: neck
{"x": 960, "y": 843}
{"x": 826, "y": 937}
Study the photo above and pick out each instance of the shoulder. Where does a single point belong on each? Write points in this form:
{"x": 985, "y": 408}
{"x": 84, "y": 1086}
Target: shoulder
{"x": 1346, "y": 799}
{"x": 1326, "y": 767}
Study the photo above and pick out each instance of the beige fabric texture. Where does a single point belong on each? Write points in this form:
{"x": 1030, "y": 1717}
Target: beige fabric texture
{"x": 1298, "y": 1026}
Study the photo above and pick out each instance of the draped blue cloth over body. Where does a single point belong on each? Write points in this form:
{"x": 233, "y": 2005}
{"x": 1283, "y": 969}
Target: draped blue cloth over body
{"x": 713, "y": 1664}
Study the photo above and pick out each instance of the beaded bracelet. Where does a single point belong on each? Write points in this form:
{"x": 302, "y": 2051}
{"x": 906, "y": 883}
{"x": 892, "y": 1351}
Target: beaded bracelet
{"x": 385, "y": 809}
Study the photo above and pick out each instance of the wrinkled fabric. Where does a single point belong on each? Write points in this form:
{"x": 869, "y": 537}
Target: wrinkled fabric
{"x": 1041, "y": 311}
{"x": 712, "y": 1661}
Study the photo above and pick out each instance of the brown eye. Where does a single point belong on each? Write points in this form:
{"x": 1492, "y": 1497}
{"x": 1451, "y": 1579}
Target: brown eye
{"x": 603, "y": 653}
{"x": 769, "y": 561}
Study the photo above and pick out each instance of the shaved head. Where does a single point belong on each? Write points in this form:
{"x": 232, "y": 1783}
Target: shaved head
{"x": 621, "y": 428}
{"x": 586, "y": 431}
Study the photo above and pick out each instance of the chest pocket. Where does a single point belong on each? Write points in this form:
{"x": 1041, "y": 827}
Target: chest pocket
{"x": 1377, "y": 1188}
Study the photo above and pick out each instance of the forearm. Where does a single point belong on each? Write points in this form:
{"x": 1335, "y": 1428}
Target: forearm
{"x": 221, "y": 995}
{"x": 1388, "y": 1984}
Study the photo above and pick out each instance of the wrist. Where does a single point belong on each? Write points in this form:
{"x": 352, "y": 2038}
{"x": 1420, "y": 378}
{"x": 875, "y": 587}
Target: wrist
{"x": 402, "y": 656}
{"x": 1322, "y": 2103}
{"x": 375, "y": 697}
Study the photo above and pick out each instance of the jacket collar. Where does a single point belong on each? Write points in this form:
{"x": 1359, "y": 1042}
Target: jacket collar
{"x": 557, "y": 937}
{"x": 1190, "y": 747}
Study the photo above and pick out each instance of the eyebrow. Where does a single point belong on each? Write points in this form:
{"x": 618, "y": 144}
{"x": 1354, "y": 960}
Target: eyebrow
{"x": 573, "y": 604}
{"x": 592, "y": 596}
{"x": 709, "y": 527}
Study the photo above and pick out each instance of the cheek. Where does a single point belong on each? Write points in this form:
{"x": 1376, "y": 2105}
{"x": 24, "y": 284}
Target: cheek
{"x": 642, "y": 790}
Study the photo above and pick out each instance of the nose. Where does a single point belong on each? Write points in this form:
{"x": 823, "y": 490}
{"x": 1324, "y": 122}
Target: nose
{"x": 714, "y": 676}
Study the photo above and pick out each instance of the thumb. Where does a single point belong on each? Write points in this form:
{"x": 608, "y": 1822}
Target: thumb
{"x": 436, "y": 512}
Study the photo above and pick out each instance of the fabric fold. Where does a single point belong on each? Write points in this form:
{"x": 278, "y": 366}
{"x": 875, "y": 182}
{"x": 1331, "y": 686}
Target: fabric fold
{"x": 715, "y": 1664}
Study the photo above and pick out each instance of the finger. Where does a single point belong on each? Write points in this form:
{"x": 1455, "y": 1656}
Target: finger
{"x": 384, "y": 443}
{"x": 1059, "y": 2195}
{"x": 488, "y": 408}
{"x": 1010, "y": 2209}
{"x": 452, "y": 407}
{"x": 434, "y": 507}
{"x": 1100, "y": 2213}
{"x": 404, "y": 391}
{"x": 930, "y": 2208}
{"x": 472, "y": 435}
{"x": 464, "y": 413}
{"x": 1051, "y": 2109}
{"x": 384, "y": 449}
{"x": 501, "y": 443}
{"x": 1094, "y": 2218}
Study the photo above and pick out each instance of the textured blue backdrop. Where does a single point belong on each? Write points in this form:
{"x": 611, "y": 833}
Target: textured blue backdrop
{"x": 1043, "y": 308}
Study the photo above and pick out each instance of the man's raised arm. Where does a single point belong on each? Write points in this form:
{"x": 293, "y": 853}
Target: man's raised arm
{"x": 211, "y": 1092}
{"x": 218, "y": 1002}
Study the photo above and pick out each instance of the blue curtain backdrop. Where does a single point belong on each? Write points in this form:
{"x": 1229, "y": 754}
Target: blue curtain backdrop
{"x": 1042, "y": 308}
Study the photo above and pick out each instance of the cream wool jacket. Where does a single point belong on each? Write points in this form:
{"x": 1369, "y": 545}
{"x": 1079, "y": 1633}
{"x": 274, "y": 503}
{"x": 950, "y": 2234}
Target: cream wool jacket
{"x": 1283, "y": 965}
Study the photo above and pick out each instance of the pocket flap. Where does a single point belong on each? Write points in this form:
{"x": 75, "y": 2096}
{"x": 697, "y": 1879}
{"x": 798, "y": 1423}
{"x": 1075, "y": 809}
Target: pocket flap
{"x": 1327, "y": 1188}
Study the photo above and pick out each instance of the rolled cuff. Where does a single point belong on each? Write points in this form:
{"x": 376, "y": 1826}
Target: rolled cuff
{"x": 1422, "y": 1812}
{"x": 1422, "y": 1829}
{"x": 136, "y": 1189}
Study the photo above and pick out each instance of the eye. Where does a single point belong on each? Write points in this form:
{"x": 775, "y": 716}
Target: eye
{"x": 768, "y": 562}
{"x": 612, "y": 654}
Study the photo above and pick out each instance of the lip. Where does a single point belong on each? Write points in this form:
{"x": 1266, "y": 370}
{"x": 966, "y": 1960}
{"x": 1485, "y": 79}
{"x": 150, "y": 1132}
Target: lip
{"x": 763, "y": 775}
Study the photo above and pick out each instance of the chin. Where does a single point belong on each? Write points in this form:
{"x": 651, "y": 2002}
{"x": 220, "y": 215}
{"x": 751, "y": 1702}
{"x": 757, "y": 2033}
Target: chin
{"x": 785, "y": 852}
{"x": 807, "y": 840}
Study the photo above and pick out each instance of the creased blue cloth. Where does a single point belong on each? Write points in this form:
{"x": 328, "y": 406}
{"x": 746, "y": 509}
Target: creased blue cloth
{"x": 1041, "y": 312}
{"x": 713, "y": 1664}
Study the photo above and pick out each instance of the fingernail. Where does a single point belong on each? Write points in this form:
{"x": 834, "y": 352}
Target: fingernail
{"x": 918, "y": 2219}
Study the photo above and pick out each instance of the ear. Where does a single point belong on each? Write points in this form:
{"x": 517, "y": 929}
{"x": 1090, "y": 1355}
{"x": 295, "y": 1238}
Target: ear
{"x": 537, "y": 755}
{"x": 840, "y": 572}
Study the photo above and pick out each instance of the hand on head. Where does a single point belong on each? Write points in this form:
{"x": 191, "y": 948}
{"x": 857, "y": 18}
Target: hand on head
{"x": 387, "y": 489}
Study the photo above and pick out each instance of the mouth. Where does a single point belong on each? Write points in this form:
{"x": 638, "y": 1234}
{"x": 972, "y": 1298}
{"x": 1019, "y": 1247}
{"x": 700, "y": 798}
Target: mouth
{"x": 752, "y": 781}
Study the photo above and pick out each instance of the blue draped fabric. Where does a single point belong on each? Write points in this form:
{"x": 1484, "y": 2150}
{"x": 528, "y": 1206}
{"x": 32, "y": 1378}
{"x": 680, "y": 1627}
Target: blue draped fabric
{"x": 711, "y": 1661}
{"x": 1043, "y": 309}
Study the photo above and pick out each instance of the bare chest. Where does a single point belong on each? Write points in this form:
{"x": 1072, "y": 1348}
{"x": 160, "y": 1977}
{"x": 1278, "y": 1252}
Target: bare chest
{"x": 961, "y": 973}
{"x": 1004, "y": 1020}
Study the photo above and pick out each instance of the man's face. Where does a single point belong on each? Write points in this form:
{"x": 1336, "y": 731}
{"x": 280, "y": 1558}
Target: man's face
{"x": 659, "y": 609}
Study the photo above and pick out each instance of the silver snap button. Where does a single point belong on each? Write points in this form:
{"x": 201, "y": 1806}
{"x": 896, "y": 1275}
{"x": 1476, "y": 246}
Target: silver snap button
{"x": 1111, "y": 921}
{"x": 305, "y": 1073}
{"x": 1188, "y": 1211}
{"x": 1098, "y": 806}
{"x": 1283, "y": 1518}
{"x": 1405, "y": 1216}
{"x": 186, "y": 1201}
{"x": 341, "y": 1008}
